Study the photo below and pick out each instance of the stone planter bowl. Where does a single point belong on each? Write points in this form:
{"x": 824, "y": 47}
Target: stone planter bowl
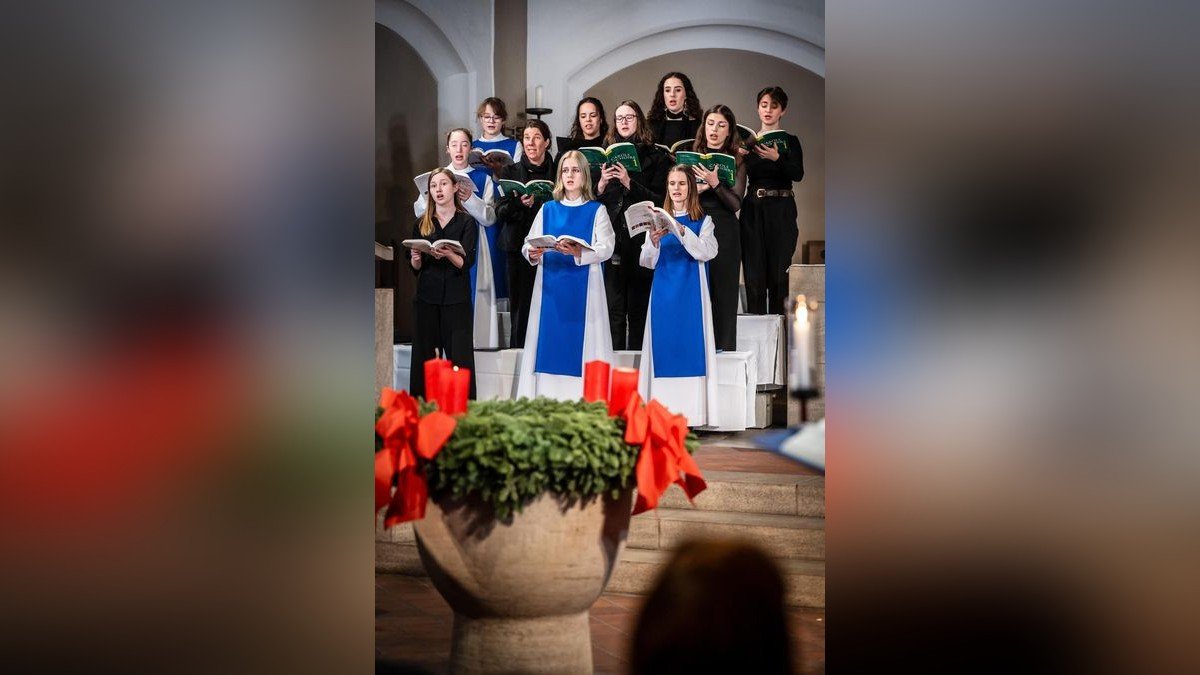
{"x": 521, "y": 589}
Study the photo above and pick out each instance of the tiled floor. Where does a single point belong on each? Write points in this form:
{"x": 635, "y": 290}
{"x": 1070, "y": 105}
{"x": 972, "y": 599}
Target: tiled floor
{"x": 413, "y": 625}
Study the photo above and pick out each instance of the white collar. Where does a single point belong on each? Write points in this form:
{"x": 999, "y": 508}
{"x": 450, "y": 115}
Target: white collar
{"x": 573, "y": 202}
{"x": 499, "y": 137}
{"x": 461, "y": 172}
{"x": 680, "y": 213}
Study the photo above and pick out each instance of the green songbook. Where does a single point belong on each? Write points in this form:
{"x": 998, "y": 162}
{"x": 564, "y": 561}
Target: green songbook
{"x": 542, "y": 189}
{"x": 617, "y": 153}
{"x": 726, "y": 165}
{"x": 777, "y": 138}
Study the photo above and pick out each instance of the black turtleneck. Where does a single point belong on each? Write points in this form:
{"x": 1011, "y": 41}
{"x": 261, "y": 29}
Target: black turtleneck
{"x": 674, "y": 128}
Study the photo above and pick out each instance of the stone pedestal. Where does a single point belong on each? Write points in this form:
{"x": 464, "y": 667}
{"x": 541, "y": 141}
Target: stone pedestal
{"x": 521, "y": 589}
{"x": 384, "y": 367}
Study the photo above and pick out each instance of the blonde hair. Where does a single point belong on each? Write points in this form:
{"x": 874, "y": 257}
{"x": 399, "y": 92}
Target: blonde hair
{"x": 426, "y": 226}
{"x": 693, "y": 196}
{"x": 560, "y": 193}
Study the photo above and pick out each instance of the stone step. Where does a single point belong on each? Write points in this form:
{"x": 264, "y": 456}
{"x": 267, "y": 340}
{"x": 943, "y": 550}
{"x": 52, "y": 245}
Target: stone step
{"x": 749, "y": 492}
{"x": 782, "y": 536}
{"x": 637, "y": 571}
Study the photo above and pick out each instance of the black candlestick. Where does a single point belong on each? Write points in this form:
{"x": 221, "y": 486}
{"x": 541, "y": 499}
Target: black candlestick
{"x": 538, "y": 112}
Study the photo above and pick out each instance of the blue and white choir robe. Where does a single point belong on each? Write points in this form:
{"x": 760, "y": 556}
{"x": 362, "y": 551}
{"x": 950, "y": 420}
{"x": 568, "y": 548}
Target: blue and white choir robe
{"x": 481, "y": 205}
{"x": 499, "y": 259}
{"x": 568, "y": 317}
{"x": 679, "y": 355}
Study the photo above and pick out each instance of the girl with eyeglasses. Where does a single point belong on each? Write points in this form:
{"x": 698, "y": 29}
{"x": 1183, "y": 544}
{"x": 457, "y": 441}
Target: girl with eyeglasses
{"x": 491, "y": 115}
{"x": 568, "y": 325}
{"x": 480, "y": 204}
{"x": 718, "y": 133}
{"x": 679, "y": 359}
{"x": 627, "y": 282}
{"x": 675, "y": 113}
{"x": 768, "y": 214}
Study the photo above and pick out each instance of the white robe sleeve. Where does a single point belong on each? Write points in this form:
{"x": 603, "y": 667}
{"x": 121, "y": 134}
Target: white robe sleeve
{"x": 603, "y": 240}
{"x": 419, "y": 205}
{"x": 649, "y": 257}
{"x": 483, "y": 209}
{"x": 535, "y": 230}
{"x": 703, "y": 247}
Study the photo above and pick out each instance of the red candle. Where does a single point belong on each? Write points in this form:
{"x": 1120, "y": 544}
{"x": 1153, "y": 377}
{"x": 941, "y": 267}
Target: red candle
{"x": 624, "y": 383}
{"x": 595, "y": 381}
{"x": 457, "y": 390}
{"x": 436, "y": 381}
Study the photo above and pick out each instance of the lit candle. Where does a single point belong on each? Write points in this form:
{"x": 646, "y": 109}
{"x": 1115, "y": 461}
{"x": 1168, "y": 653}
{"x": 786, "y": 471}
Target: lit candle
{"x": 595, "y": 381}
{"x": 537, "y": 96}
{"x": 436, "y": 380}
{"x": 800, "y": 374}
{"x": 459, "y": 388}
{"x": 624, "y": 383}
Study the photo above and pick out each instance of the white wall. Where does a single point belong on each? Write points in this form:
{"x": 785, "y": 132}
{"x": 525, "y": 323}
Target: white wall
{"x": 573, "y": 44}
{"x": 455, "y": 40}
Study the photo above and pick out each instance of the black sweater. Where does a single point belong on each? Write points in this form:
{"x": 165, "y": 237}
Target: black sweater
{"x": 648, "y": 184}
{"x": 669, "y": 131}
{"x": 777, "y": 175}
{"x": 516, "y": 218}
{"x": 439, "y": 282}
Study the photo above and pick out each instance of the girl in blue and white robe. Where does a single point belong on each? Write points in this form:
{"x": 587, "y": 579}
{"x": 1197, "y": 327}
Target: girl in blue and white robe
{"x": 479, "y": 204}
{"x": 568, "y": 317}
{"x": 492, "y": 115}
{"x": 679, "y": 355}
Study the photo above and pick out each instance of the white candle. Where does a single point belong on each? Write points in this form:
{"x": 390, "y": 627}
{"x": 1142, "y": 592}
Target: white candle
{"x": 537, "y": 96}
{"x": 800, "y": 375}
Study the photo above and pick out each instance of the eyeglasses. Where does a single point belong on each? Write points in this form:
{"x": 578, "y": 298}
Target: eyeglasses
{"x": 490, "y": 118}
{"x": 625, "y": 118}
{"x": 572, "y": 169}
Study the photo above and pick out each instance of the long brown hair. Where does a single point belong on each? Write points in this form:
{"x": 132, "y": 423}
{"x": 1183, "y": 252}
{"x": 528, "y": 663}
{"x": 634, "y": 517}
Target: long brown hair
{"x": 691, "y": 103}
{"x": 577, "y": 133}
{"x": 426, "y": 226}
{"x": 732, "y": 142}
{"x": 641, "y": 136}
{"x": 560, "y": 192}
{"x": 693, "y": 196}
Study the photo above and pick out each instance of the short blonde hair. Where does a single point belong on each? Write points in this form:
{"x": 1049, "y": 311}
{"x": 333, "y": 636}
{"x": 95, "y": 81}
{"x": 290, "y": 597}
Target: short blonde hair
{"x": 560, "y": 193}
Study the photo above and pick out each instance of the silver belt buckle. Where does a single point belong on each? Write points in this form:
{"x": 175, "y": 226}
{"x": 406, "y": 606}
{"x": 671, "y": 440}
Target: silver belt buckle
{"x": 760, "y": 193}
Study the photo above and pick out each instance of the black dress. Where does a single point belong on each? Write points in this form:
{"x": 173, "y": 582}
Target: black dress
{"x": 672, "y": 129}
{"x": 443, "y": 316}
{"x": 722, "y": 204}
{"x": 627, "y": 283}
{"x": 769, "y": 228}
{"x": 517, "y": 218}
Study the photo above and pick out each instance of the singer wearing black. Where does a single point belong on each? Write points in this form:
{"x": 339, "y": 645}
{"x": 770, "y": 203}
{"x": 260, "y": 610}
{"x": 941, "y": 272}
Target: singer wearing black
{"x": 589, "y": 128}
{"x": 768, "y": 215}
{"x": 718, "y": 133}
{"x": 517, "y": 213}
{"x": 443, "y": 317}
{"x": 675, "y": 113}
{"x": 626, "y": 282}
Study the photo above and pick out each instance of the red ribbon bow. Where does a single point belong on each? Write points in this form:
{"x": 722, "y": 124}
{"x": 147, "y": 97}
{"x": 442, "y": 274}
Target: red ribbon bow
{"x": 663, "y": 458}
{"x": 406, "y": 435}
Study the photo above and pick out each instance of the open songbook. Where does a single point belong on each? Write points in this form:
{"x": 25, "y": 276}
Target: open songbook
{"x": 618, "y": 153}
{"x": 645, "y": 217}
{"x": 549, "y": 241}
{"x": 675, "y": 147}
{"x": 777, "y": 138}
{"x": 542, "y": 189}
{"x": 726, "y": 165}
{"x": 494, "y": 159}
{"x": 422, "y": 181}
{"x": 426, "y": 246}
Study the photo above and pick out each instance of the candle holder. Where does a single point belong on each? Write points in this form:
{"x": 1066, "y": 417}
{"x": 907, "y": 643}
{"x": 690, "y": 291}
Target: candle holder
{"x": 538, "y": 112}
{"x": 802, "y": 352}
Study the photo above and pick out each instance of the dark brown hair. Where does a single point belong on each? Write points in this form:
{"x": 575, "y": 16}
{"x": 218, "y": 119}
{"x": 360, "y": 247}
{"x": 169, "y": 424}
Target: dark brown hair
{"x": 641, "y": 137}
{"x": 732, "y": 142}
{"x": 497, "y": 108}
{"x": 576, "y": 132}
{"x": 776, "y": 93}
{"x": 717, "y": 608}
{"x": 691, "y": 103}
{"x": 542, "y": 128}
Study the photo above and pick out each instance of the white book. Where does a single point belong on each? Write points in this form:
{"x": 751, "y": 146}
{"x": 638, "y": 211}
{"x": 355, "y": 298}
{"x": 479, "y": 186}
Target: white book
{"x": 549, "y": 241}
{"x": 645, "y": 217}
{"x": 426, "y": 246}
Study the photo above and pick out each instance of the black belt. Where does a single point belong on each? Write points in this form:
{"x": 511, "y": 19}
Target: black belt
{"x": 760, "y": 193}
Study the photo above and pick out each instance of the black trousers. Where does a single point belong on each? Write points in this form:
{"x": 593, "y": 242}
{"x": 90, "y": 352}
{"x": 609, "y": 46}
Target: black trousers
{"x": 628, "y": 292}
{"x": 449, "y": 328}
{"x": 769, "y": 235}
{"x": 723, "y": 279}
{"x": 521, "y": 276}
